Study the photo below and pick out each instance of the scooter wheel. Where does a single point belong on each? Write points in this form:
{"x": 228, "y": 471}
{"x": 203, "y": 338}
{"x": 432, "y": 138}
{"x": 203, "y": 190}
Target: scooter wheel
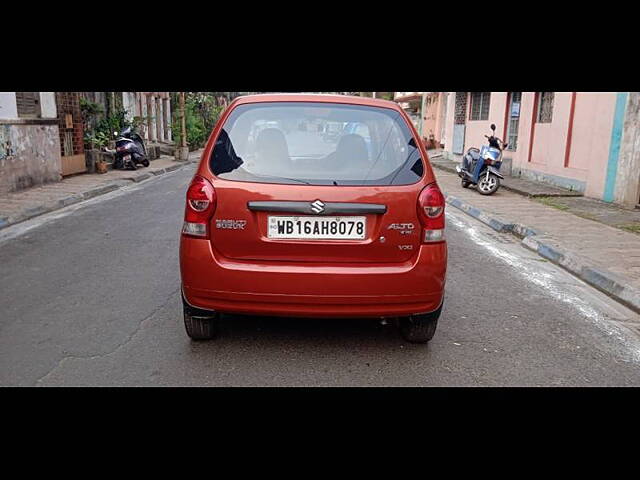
{"x": 145, "y": 163}
{"x": 488, "y": 186}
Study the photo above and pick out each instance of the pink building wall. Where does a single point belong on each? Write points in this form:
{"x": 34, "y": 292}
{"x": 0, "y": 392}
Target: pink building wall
{"x": 431, "y": 116}
{"x": 586, "y": 165}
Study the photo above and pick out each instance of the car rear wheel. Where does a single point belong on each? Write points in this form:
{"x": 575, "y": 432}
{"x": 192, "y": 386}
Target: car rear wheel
{"x": 419, "y": 328}
{"x": 200, "y": 328}
{"x": 199, "y": 324}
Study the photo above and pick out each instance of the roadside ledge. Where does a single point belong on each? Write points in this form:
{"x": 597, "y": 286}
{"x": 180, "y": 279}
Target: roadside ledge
{"x": 520, "y": 186}
{"x": 497, "y": 224}
{"x": 608, "y": 282}
{"x": 86, "y": 195}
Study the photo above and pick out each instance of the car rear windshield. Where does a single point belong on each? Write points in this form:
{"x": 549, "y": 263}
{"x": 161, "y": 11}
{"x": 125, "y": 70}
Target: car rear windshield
{"x": 316, "y": 143}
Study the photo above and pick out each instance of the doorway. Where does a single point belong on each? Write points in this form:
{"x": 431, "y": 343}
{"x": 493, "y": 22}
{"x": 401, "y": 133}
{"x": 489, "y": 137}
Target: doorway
{"x": 513, "y": 120}
{"x": 459, "y": 121}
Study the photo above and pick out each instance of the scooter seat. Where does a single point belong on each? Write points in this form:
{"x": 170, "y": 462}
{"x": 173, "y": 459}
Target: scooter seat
{"x": 473, "y": 155}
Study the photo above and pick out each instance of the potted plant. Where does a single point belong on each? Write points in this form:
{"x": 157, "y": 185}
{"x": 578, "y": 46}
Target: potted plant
{"x": 100, "y": 140}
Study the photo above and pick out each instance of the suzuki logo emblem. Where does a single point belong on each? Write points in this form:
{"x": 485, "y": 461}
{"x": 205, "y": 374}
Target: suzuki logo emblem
{"x": 317, "y": 207}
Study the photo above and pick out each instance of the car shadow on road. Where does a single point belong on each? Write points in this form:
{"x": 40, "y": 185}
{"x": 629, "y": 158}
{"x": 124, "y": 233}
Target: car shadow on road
{"x": 240, "y": 325}
{"x": 284, "y": 330}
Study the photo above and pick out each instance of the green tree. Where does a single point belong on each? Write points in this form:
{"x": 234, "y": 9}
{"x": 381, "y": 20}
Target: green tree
{"x": 202, "y": 110}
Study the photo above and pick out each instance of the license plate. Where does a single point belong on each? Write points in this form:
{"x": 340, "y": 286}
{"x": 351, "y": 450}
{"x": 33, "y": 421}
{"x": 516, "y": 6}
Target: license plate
{"x": 126, "y": 158}
{"x": 317, "y": 228}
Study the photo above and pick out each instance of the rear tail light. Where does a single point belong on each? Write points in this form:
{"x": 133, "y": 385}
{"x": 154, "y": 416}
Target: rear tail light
{"x": 201, "y": 205}
{"x": 431, "y": 214}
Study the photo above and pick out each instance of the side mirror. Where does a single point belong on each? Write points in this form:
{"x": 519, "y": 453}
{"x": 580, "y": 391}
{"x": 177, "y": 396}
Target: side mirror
{"x": 493, "y": 127}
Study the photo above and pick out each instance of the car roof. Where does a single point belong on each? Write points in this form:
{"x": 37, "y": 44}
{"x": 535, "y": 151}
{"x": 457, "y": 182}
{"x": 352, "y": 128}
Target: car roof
{"x": 316, "y": 97}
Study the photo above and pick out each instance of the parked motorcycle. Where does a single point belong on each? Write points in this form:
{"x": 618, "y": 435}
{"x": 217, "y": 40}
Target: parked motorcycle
{"x": 482, "y": 167}
{"x": 130, "y": 150}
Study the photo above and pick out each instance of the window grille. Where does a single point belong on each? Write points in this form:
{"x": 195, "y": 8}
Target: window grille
{"x": 545, "y": 107}
{"x": 480, "y": 105}
{"x": 28, "y": 104}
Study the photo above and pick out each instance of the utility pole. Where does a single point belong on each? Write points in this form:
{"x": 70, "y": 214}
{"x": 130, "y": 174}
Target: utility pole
{"x": 183, "y": 124}
{"x": 182, "y": 152}
{"x": 422, "y": 118}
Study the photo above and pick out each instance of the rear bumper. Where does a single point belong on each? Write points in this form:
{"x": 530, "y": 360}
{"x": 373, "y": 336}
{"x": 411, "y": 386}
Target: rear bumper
{"x": 213, "y": 282}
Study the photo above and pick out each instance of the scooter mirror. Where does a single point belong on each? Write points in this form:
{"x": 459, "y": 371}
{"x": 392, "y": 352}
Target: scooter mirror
{"x": 493, "y": 127}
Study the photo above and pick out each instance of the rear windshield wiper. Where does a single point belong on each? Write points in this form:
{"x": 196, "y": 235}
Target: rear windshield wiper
{"x": 280, "y": 178}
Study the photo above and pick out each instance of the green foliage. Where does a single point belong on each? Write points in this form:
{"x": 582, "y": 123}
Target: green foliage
{"x": 631, "y": 227}
{"x": 90, "y": 109}
{"x": 383, "y": 95}
{"x": 113, "y": 123}
{"x": 100, "y": 135}
{"x": 96, "y": 139}
{"x": 137, "y": 122}
{"x": 552, "y": 202}
{"x": 201, "y": 115}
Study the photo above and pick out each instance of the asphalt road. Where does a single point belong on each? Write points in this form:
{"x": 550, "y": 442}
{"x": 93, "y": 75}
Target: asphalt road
{"x": 90, "y": 296}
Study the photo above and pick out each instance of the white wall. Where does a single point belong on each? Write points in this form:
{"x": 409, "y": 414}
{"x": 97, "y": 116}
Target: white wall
{"x": 48, "y": 105}
{"x": 129, "y": 104}
{"x": 8, "y": 107}
{"x": 448, "y": 122}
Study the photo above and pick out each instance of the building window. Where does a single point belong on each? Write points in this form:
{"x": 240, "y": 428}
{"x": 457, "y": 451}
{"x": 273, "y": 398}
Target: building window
{"x": 480, "y": 105}
{"x": 545, "y": 107}
{"x": 513, "y": 120}
{"x": 28, "y": 104}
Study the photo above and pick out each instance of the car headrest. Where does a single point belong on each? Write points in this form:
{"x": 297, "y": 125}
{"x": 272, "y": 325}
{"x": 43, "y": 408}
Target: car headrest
{"x": 352, "y": 147}
{"x": 272, "y": 143}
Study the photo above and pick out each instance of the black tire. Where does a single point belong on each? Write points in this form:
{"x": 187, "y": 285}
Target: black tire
{"x": 465, "y": 184}
{"x": 200, "y": 328}
{"x": 490, "y": 187}
{"x": 419, "y": 328}
{"x": 145, "y": 162}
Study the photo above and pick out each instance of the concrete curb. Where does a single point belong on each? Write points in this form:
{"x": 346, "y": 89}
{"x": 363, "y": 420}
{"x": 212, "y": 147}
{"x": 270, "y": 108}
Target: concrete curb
{"x": 616, "y": 286}
{"x": 497, "y": 224}
{"x": 80, "y": 197}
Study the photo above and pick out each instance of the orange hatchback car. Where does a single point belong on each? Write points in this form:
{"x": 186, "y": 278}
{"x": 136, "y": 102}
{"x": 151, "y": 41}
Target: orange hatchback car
{"x": 314, "y": 206}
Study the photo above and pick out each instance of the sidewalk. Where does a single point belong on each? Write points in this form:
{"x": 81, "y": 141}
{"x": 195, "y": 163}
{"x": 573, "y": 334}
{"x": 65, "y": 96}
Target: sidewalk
{"x": 17, "y": 207}
{"x": 517, "y": 185}
{"x": 561, "y": 199}
{"x": 601, "y": 255}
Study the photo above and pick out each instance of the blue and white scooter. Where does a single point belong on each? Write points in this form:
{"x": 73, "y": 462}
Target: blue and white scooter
{"x": 482, "y": 167}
